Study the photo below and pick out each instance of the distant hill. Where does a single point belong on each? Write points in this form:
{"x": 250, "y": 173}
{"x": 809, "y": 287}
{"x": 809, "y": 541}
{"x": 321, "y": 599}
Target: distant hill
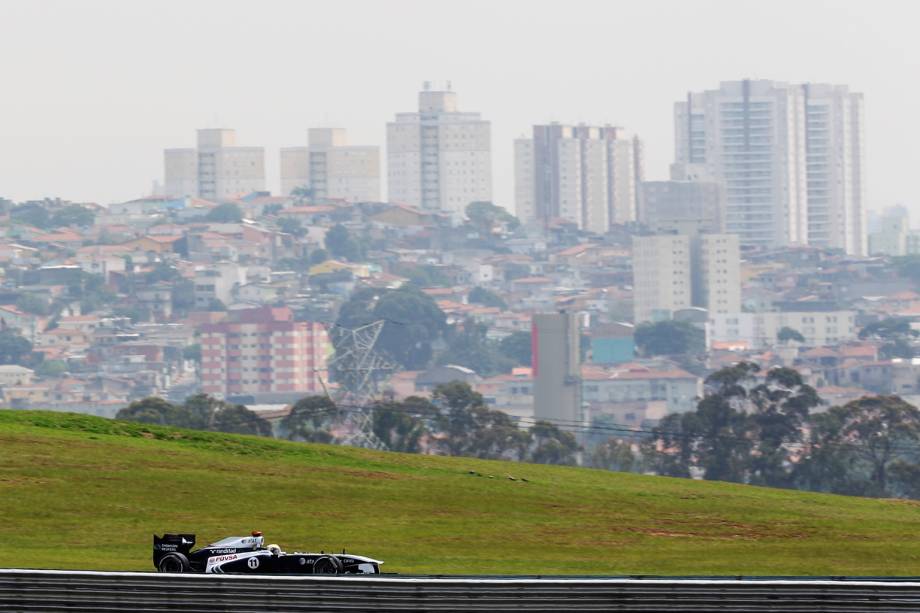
{"x": 85, "y": 492}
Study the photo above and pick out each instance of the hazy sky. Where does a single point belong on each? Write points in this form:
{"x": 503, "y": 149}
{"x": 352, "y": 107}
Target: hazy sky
{"x": 91, "y": 92}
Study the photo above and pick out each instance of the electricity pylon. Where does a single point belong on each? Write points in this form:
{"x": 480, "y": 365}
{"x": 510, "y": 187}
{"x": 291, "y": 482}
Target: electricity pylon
{"x": 358, "y": 370}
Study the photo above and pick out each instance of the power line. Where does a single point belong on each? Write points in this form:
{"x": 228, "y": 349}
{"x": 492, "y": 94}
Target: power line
{"x": 581, "y": 427}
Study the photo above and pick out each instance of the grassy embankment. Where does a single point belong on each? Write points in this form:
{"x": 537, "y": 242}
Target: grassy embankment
{"x": 83, "y": 492}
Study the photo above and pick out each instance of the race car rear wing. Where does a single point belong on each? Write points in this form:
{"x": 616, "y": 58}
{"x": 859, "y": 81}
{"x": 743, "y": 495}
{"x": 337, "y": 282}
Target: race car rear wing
{"x": 171, "y": 543}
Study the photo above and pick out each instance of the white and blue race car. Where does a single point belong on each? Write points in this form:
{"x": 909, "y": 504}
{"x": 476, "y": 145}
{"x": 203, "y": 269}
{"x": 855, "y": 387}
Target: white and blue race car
{"x": 172, "y": 553}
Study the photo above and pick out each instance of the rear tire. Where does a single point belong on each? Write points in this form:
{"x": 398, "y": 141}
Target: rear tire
{"x": 328, "y": 565}
{"x": 173, "y": 563}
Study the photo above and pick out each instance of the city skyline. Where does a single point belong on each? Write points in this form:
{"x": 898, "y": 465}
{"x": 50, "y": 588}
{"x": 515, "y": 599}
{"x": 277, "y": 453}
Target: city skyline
{"x": 107, "y": 146}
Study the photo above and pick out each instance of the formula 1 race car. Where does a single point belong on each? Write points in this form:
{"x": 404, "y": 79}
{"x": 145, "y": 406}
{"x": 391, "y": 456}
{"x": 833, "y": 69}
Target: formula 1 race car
{"x": 245, "y": 554}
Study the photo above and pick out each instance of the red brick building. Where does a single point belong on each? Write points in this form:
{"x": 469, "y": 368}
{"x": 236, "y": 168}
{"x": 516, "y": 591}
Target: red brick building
{"x": 263, "y": 350}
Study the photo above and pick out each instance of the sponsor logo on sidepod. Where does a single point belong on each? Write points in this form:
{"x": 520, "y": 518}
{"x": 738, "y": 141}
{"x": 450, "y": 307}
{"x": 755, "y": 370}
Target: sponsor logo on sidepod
{"x": 219, "y": 559}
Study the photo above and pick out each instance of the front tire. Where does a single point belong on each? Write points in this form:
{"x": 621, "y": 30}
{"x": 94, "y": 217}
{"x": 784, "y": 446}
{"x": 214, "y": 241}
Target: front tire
{"x": 328, "y": 565}
{"x": 173, "y": 563}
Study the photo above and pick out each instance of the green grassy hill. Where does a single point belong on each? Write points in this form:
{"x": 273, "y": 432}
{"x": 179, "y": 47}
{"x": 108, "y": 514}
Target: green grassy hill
{"x": 83, "y": 492}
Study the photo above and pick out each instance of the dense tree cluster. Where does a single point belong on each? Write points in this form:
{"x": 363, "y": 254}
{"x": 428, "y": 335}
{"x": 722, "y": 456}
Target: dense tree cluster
{"x": 485, "y": 297}
{"x": 455, "y": 421}
{"x": 669, "y": 338}
{"x": 762, "y": 428}
{"x": 198, "y": 412}
{"x": 15, "y": 349}
{"x": 48, "y": 216}
{"x": 412, "y": 319}
{"x": 228, "y": 212}
{"x": 342, "y": 245}
{"x": 470, "y": 347}
{"x": 896, "y": 334}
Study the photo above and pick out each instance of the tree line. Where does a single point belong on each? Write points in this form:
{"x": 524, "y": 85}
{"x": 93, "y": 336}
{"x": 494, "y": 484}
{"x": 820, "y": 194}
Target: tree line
{"x": 455, "y": 421}
{"x": 761, "y": 428}
{"x": 766, "y": 429}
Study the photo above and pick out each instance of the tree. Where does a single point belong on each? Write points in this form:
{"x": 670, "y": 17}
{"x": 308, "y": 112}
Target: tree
{"x": 293, "y": 264}
{"x": 183, "y": 295}
{"x": 198, "y": 412}
{"x": 228, "y": 212}
{"x": 471, "y": 348}
{"x": 898, "y": 334}
{"x": 614, "y": 454}
{"x": 515, "y": 270}
{"x": 72, "y": 215}
{"x": 518, "y": 347}
{"x": 402, "y": 425}
{"x": 906, "y": 478}
{"x": 714, "y": 437}
{"x": 31, "y": 214}
{"x": 92, "y": 293}
{"x": 318, "y": 256}
{"x": 781, "y": 407}
{"x": 135, "y": 312}
{"x": 484, "y": 216}
{"x": 341, "y": 244}
{"x": 413, "y": 322}
{"x": 291, "y": 226}
{"x": 472, "y": 429}
{"x": 423, "y": 275}
{"x": 480, "y": 295}
{"x": 163, "y": 271}
{"x": 787, "y": 334}
{"x": 51, "y": 368}
{"x": 303, "y": 193}
{"x": 551, "y": 445}
{"x": 671, "y": 448}
{"x": 908, "y": 267}
{"x": 311, "y": 419}
{"x": 237, "y": 419}
{"x": 868, "y": 437}
{"x": 154, "y": 410}
{"x": 14, "y": 349}
{"x": 888, "y": 329}
{"x": 192, "y": 352}
{"x": 30, "y": 303}
{"x": 669, "y": 338}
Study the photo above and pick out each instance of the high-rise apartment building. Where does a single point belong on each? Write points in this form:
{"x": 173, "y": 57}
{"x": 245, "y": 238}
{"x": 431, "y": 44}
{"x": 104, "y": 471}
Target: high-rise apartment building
{"x": 439, "y": 159}
{"x": 835, "y": 158}
{"x": 662, "y": 282}
{"x": 715, "y": 264}
{"x": 790, "y": 156}
{"x": 672, "y": 272}
{"x": 891, "y": 233}
{"x": 524, "y": 205}
{"x": 682, "y": 206}
{"x": 588, "y": 175}
{"x": 332, "y": 168}
{"x": 216, "y": 169}
{"x": 263, "y": 351}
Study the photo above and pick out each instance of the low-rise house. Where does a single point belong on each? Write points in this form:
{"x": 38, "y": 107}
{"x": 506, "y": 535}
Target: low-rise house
{"x": 429, "y": 379}
{"x": 511, "y": 393}
{"x": 760, "y": 330}
{"x": 641, "y": 382}
{"x": 14, "y": 374}
{"x": 26, "y": 324}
